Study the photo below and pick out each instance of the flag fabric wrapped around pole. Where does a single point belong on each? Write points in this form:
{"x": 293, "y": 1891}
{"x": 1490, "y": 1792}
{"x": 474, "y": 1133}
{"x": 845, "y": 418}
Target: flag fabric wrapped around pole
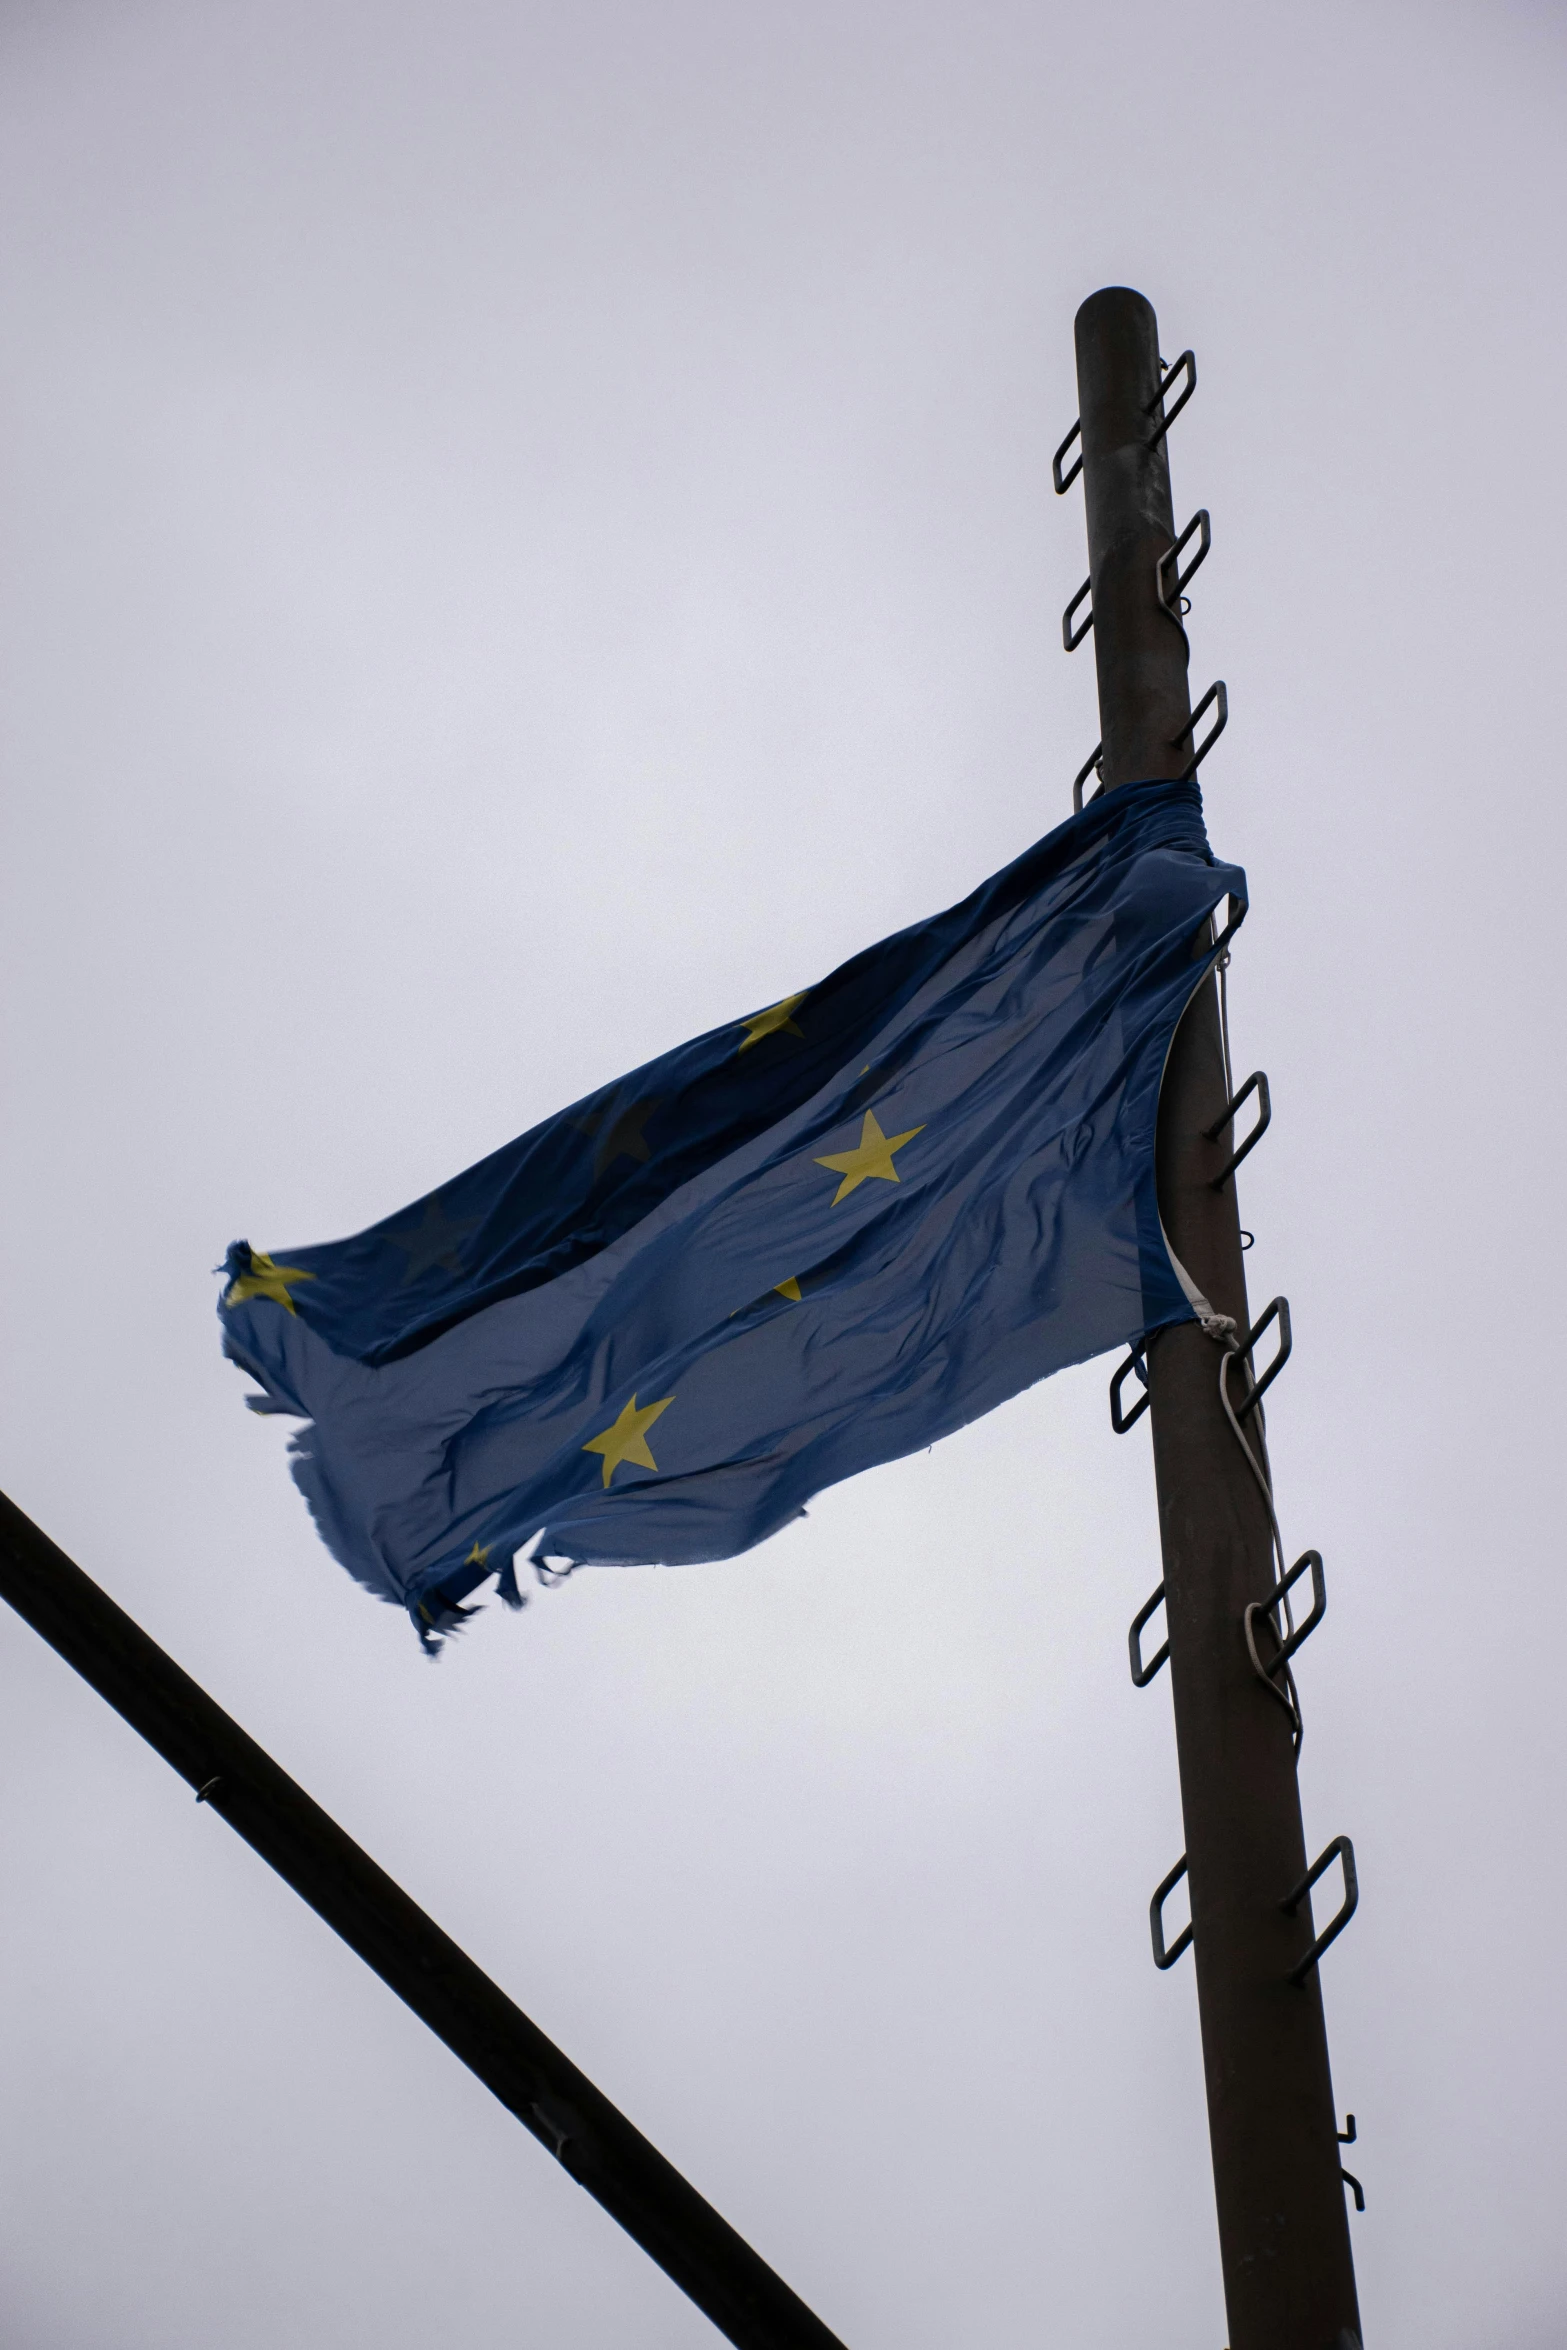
{"x": 813, "y": 1240}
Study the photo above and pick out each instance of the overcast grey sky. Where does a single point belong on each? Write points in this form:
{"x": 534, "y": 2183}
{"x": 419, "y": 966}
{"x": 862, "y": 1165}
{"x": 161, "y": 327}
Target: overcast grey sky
{"x": 528, "y": 533}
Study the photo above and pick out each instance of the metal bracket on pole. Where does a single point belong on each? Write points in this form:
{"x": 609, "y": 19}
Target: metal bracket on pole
{"x": 1218, "y": 693}
{"x": 1256, "y": 1084}
{"x": 1278, "y": 1311}
{"x": 1187, "y": 362}
{"x": 1340, "y": 1849}
{"x": 1072, "y": 637}
{"x": 1179, "y": 605}
{"x": 1163, "y": 1958}
{"x": 1081, "y": 777}
{"x": 1135, "y": 1361}
{"x": 1064, "y": 481}
{"x": 1231, "y": 927}
{"x": 1142, "y": 1673}
{"x": 1261, "y": 1611}
{"x": 1346, "y": 2137}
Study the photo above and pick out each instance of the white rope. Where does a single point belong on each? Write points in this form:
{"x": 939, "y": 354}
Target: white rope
{"x": 1262, "y": 1469}
{"x": 1224, "y": 1023}
{"x": 1222, "y": 1329}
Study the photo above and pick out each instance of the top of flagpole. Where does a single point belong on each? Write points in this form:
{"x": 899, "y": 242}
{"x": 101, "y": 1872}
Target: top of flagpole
{"x": 1140, "y": 650}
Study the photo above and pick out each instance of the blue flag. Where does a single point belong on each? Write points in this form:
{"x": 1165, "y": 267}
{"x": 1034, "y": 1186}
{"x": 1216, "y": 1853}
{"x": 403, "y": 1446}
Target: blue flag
{"x": 814, "y": 1239}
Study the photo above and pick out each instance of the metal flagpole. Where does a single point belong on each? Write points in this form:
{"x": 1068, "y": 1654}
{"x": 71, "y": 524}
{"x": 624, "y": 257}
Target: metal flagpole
{"x": 1289, "y": 2277}
{"x": 511, "y": 2056}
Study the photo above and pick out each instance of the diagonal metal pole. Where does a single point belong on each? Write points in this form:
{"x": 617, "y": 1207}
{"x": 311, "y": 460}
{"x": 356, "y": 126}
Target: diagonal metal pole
{"x": 1289, "y": 2279}
{"x": 598, "y": 2146}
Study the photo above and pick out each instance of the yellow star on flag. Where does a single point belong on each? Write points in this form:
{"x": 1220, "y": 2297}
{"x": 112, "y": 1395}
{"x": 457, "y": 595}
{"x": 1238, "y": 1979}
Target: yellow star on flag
{"x": 618, "y": 1127}
{"x": 789, "y": 1289}
{"x": 627, "y": 1439}
{"x": 265, "y": 1279}
{"x": 479, "y": 1556}
{"x": 777, "y": 1018}
{"x": 873, "y": 1157}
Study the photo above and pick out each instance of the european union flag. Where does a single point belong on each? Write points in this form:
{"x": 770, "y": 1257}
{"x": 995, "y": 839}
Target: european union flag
{"x": 812, "y": 1240}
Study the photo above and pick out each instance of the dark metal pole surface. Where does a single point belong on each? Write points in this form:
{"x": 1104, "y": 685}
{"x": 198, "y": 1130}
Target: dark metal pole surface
{"x": 1283, "y": 2232}
{"x": 511, "y": 2056}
